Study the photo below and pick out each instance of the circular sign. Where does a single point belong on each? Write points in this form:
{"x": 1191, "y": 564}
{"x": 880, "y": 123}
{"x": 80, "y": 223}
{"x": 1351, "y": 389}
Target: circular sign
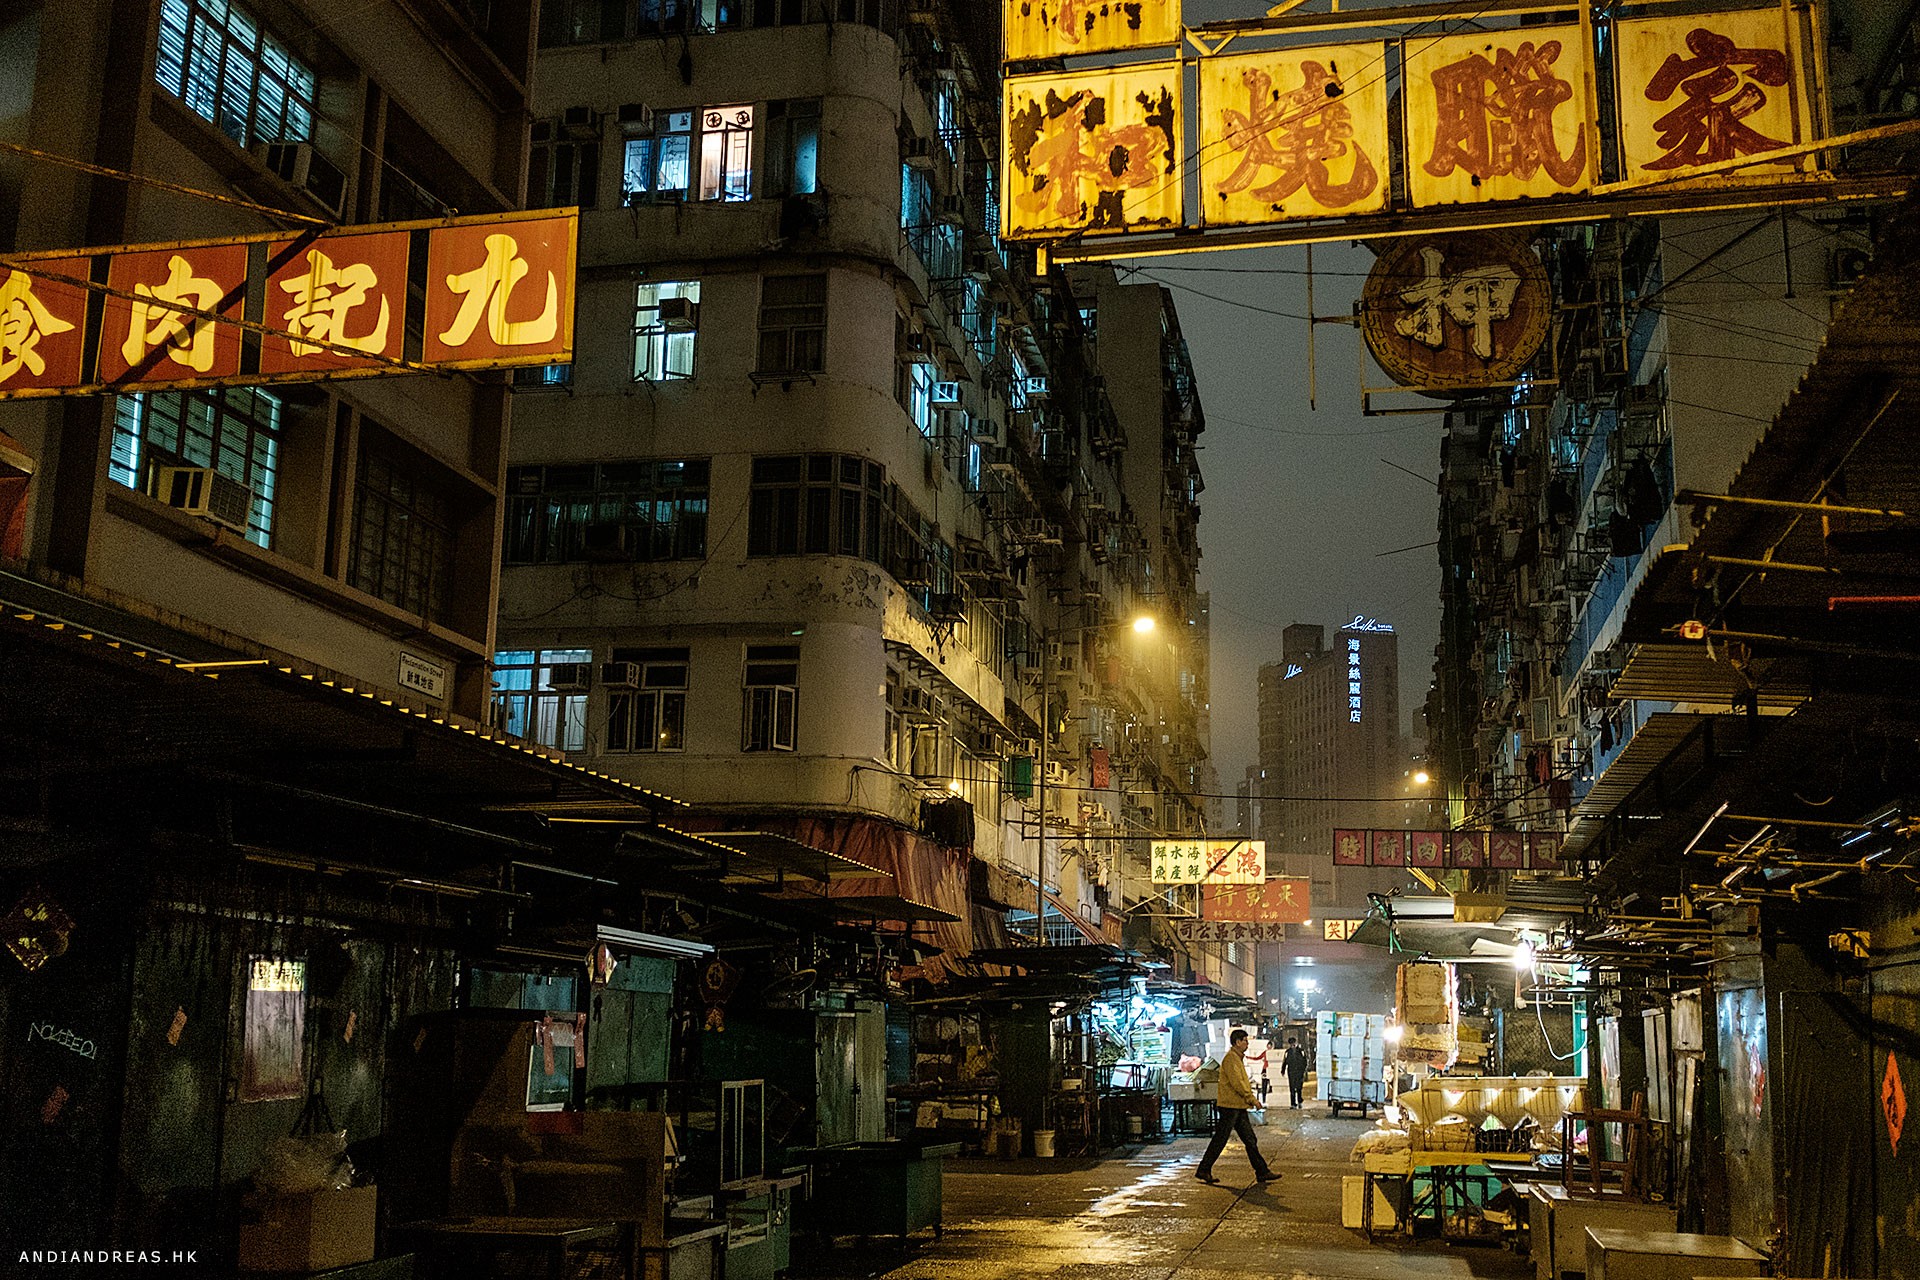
{"x": 1455, "y": 314}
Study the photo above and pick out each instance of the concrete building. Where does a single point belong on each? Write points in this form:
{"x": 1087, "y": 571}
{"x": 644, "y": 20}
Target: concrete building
{"x": 837, "y": 522}
{"x": 1333, "y": 756}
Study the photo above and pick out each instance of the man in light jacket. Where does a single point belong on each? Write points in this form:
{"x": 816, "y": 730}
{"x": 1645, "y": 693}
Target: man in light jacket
{"x": 1235, "y": 1100}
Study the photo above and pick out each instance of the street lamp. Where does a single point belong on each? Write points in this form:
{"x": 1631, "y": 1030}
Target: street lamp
{"x": 1142, "y": 625}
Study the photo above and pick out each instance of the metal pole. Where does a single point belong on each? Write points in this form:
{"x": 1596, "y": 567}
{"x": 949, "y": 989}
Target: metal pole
{"x": 1040, "y": 785}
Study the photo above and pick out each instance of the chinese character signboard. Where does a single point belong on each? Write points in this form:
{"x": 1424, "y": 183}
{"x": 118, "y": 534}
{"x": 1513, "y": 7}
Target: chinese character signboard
{"x": 1063, "y": 28}
{"x": 144, "y": 339}
{"x": 499, "y": 293}
{"x": 43, "y": 316}
{"x": 1278, "y": 901}
{"x": 1456, "y": 313}
{"x": 1230, "y": 931}
{"x": 1507, "y": 850}
{"x": 1340, "y": 930}
{"x": 1426, "y": 848}
{"x": 1387, "y": 848}
{"x": 1543, "y": 850}
{"x": 1349, "y": 848}
{"x": 1094, "y": 151}
{"x": 1496, "y": 115}
{"x": 1704, "y": 88}
{"x": 1296, "y": 133}
{"x": 343, "y": 291}
{"x": 1466, "y": 850}
{"x": 1212, "y": 862}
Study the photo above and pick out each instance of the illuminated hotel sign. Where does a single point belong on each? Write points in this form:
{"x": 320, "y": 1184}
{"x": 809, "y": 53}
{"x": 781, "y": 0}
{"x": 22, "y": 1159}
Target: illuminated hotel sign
{"x": 1293, "y": 669}
{"x": 283, "y": 308}
{"x": 1353, "y": 679}
{"x": 1363, "y": 623}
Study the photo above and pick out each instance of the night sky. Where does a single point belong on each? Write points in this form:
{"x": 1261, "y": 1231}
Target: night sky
{"x": 1300, "y": 503}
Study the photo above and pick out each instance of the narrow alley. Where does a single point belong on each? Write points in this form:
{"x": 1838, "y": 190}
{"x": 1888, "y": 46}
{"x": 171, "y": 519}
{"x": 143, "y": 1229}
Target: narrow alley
{"x": 1140, "y": 1214}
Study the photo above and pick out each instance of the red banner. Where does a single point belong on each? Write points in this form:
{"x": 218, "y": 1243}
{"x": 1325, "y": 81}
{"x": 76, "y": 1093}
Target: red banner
{"x": 1349, "y": 848}
{"x": 1466, "y": 850}
{"x": 1426, "y": 848}
{"x": 1543, "y": 850}
{"x": 1507, "y": 850}
{"x": 346, "y": 291}
{"x": 1387, "y": 848}
{"x": 495, "y": 292}
{"x": 1102, "y": 769}
{"x": 143, "y": 339}
{"x": 1281, "y": 900}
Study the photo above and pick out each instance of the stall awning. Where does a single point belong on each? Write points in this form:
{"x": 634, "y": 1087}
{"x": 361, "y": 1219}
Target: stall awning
{"x": 1703, "y": 677}
{"x": 1660, "y": 737}
{"x": 770, "y": 859}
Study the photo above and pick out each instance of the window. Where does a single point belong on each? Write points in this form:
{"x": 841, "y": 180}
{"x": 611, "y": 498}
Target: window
{"x": 663, "y": 335}
{"x": 594, "y": 21}
{"x": 214, "y": 57}
{"x": 402, "y": 537}
{"x": 916, "y": 394}
{"x": 772, "y": 674}
{"x": 647, "y": 511}
{"x": 526, "y": 703}
{"x": 563, "y": 167}
{"x": 793, "y": 324}
{"x": 726, "y": 153}
{"x": 936, "y": 243}
{"x": 651, "y": 715}
{"x": 817, "y": 504}
{"x": 543, "y": 377}
{"x": 658, "y": 167}
{"x": 793, "y": 147}
{"x": 236, "y": 432}
{"x": 946, "y": 110}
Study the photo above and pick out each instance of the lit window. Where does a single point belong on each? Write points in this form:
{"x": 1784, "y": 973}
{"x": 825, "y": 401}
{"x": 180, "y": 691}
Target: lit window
{"x": 541, "y": 694}
{"x": 235, "y": 432}
{"x": 769, "y": 697}
{"x": 918, "y": 377}
{"x": 665, "y": 318}
{"x": 658, "y": 167}
{"x": 214, "y": 57}
{"x": 647, "y": 711}
{"x": 726, "y": 153}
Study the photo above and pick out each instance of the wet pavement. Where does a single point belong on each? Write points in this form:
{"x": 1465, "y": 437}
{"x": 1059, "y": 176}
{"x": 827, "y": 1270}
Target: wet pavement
{"x": 1140, "y": 1214}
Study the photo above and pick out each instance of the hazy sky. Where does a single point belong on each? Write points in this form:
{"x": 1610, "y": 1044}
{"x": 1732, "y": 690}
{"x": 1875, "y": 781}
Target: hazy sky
{"x": 1300, "y": 504}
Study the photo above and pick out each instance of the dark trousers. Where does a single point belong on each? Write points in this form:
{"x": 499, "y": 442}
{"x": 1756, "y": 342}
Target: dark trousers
{"x": 1227, "y": 1120}
{"x": 1295, "y": 1084}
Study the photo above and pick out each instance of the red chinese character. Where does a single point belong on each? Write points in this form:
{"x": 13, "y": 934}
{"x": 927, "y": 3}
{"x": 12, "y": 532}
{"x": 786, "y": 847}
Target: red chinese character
{"x": 1719, "y": 86}
{"x": 1495, "y": 119}
{"x": 1296, "y": 133}
{"x": 1072, "y": 144}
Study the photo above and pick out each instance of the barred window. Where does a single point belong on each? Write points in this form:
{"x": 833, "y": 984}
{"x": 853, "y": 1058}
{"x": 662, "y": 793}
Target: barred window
{"x": 214, "y": 56}
{"x": 402, "y": 537}
{"x": 817, "y": 504}
{"x": 236, "y": 432}
{"x": 647, "y": 511}
{"x": 666, "y": 319}
{"x": 793, "y": 147}
{"x": 541, "y": 694}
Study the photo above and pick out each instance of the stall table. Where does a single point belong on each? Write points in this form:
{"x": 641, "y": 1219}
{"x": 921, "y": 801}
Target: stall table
{"x": 477, "y": 1247}
{"x": 1620, "y": 1253}
{"x": 1451, "y": 1177}
{"x": 876, "y": 1188}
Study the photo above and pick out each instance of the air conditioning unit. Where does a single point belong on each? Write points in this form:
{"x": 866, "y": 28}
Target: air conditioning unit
{"x": 917, "y": 152}
{"x": 917, "y": 572}
{"x": 620, "y": 675}
{"x": 914, "y": 343}
{"x": 1064, "y": 657}
{"x": 1058, "y": 774}
{"x": 570, "y": 677}
{"x": 579, "y": 123}
{"x": 636, "y": 119}
{"x": 919, "y": 706}
{"x": 298, "y": 164}
{"x": 1035, "y": 388}
{"x": 946, "y": 395}
{"x": 949, "y": 607}
{"x": 679, "y": 315}
{"x": 951, "y": 208}
{"x": 204, "y": 492}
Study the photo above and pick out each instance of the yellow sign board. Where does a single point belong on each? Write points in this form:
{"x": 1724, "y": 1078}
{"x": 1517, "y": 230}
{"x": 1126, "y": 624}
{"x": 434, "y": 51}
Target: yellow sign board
{"x": 1064, "y": 28}
{"x": 1096, "y": 151}
{"x": 1705, "y": 88}
{"x": 1199, "y": 861}
{"x": 1497, "y": 115}
{"x": 1293, "y": 133}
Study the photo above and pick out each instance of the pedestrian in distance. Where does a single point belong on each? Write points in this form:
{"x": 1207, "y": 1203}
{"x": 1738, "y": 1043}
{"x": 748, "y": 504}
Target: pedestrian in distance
{"x": 1294, "y": 1064}
{"x": 1235, "y": 1100}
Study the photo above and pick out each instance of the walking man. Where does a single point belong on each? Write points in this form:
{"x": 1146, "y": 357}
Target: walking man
{"x": 1235, "y": 1100}
{"x": 1295, "y": 1065}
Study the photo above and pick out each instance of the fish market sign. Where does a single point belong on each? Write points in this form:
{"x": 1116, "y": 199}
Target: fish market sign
{"x": 499, "y": 293}
{"x": 1302, "y": 130}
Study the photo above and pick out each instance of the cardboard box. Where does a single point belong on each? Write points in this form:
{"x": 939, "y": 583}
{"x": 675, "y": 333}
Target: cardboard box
{"x": 1352, "y": 1187}
{"x": 313, "y": 1232}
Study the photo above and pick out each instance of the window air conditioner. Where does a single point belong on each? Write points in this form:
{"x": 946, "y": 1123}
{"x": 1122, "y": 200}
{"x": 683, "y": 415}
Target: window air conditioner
{"x": 605, "y": 541}
{"x": 204, "y": 492}
{"x": 952, "y": 208}
{"x": 298, "y": 164}
{"x": 620, "y": 675}
{"x": 679, "y": 315}
{"x": 580, "y": 123}
{"x": 917, "y": 152}
{"x": 946, "y": 395}
{"x": 915, "y": 343}
{"x": 570, "y": 677}
{"x": 950, "y": 607}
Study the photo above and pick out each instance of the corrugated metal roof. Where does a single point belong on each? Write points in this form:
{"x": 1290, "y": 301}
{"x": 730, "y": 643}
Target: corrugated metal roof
{"x": 1693, "y": 673}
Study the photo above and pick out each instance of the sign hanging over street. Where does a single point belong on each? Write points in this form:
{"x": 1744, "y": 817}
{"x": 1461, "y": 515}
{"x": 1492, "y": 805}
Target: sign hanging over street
{"x": 1504, "y": 113}
{"x": 1209, "y": 862}
{"x": 279, "y": 308}
{"x": 1456, "y": 313}
{"x": 1281, "y": 900}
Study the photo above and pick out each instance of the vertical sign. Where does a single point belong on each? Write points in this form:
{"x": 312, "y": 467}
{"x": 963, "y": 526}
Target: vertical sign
{"x": 272, "y": 1063}
{"x": 500, "y": 293}
{"x": 1496, "y": 115}
{"x": 347, "y": 291}
{"x": 144, "y": 337}
{"x": 1353, "y": 679}
{"x": 43, "y": 316}
{"x": 1705, "y": 88}
{"x": 1294, "y": 133}
{"x": 1065, "y": 28}
{"x": 1092, "y": 151}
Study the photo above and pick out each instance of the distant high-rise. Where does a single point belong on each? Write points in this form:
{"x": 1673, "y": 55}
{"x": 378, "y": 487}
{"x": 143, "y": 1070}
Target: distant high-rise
{"x": 1332, "y": 754}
